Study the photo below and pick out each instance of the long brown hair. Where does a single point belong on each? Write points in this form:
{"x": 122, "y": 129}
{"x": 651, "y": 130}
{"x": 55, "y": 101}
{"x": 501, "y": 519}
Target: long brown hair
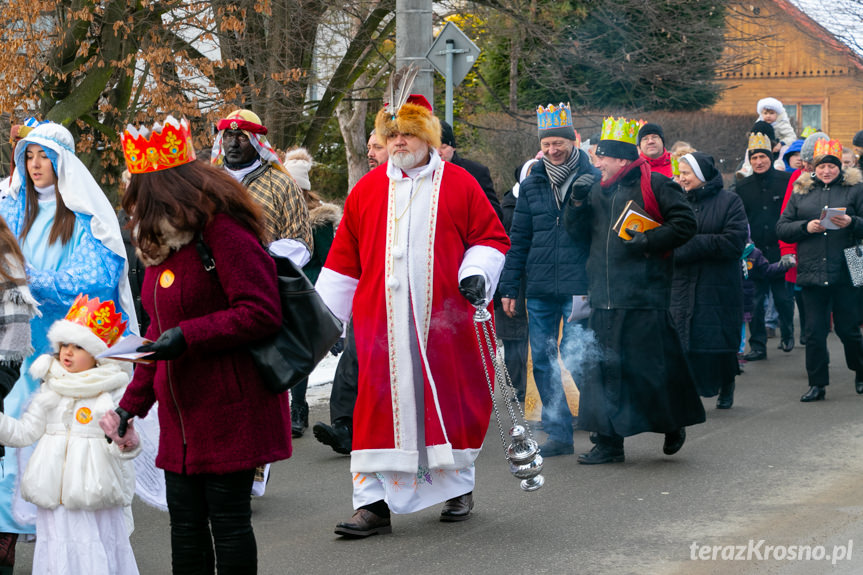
{"x": 9, "y": 247}
{"x": 187, "y": 197}
{"x": 64, "y": 218}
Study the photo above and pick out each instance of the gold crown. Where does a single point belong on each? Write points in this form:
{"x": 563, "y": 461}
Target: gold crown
{"x": 828, "y": 148}
{"x": 758, "y": 141}
{"x": 166, "y": 146}
{"x": 621, "y": 130}
{"x": 99, "y": 317}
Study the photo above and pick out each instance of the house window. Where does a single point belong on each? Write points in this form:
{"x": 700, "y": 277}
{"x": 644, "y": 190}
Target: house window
{"x": 803, "y": 115}
{"x": 810, "y": 115}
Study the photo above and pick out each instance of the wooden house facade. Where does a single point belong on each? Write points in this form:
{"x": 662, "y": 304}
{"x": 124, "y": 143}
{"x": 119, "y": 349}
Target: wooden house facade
{"x": 786, "y": 55}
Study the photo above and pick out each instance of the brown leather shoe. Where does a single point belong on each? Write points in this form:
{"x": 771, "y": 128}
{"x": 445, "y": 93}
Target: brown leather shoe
{"x": 362, "y": 524}
{"x": 457, "y": 508}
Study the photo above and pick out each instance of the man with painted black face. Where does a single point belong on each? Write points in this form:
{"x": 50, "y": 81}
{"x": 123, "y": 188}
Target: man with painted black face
{"x": 763, "y": 193}
{"x": 418, "y": 247}
{"x": 242, "y": 149}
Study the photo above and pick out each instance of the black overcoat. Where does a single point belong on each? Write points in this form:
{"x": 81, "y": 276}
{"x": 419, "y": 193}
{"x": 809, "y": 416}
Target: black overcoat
{"x": 820, "y": 257}
{"x": 707, "y": 291}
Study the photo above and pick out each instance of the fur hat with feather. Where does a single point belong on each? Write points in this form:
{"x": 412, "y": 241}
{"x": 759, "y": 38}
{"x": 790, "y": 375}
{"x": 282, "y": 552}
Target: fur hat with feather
{"x": 407, "y": 113}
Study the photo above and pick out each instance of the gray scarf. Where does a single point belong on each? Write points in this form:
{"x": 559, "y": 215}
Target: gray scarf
{"x": 17, "y": 308}
{"x": 558, "y": 174}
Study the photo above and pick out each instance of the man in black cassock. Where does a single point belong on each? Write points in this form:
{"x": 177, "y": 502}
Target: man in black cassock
{"x": 641, "y": 381}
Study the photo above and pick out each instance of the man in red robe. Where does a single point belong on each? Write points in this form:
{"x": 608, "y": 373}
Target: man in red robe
{"x": 418, "y": 247}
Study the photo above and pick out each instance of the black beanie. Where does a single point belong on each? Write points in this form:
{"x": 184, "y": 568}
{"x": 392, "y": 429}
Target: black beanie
{"x": 858, "y": 139}
{"x": 762, "y": 127}
{"x": 648, "y": 129}
{"x": 617, "y": 149}
{"x": 446, "y": 134}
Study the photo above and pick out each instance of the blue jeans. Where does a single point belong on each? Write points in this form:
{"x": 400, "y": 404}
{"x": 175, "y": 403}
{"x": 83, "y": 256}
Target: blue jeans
{"x": 544, "y": 316}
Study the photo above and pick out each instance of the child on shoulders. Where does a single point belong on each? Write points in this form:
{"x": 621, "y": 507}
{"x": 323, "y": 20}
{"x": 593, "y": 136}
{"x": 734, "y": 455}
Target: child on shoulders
{"x": 772, "y": 111}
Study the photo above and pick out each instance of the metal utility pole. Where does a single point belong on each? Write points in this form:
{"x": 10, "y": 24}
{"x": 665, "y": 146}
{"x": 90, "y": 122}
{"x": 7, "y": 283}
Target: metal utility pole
{"x": 413, "y": 38}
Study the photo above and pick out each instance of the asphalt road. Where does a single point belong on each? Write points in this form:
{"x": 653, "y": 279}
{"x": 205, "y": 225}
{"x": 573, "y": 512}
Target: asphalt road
{"x": 770, "y": 469}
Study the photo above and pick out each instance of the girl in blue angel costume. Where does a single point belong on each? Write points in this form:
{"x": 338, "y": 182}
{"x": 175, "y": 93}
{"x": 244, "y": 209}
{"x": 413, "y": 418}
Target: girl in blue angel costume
{"x": 71, "y": 241}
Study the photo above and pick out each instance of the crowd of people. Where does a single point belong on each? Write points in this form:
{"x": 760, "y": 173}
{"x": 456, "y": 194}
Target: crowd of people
{"x": 626, "y": 263}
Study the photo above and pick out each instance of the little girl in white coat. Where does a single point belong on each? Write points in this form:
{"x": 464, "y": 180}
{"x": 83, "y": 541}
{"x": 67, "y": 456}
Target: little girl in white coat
{"x": 81, "y": 484}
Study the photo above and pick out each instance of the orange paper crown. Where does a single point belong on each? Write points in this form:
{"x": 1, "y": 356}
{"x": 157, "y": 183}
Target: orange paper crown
{"x": 828, "y": 148}
{"x": 99, "y": 317}
{"x": 166, "y": 146}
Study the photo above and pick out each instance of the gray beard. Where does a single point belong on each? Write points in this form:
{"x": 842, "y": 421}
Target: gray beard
{"x": 406, "y": 161}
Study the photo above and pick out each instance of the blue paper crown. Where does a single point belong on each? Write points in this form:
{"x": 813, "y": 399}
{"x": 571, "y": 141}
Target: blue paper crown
{"x": 559, "y": 116}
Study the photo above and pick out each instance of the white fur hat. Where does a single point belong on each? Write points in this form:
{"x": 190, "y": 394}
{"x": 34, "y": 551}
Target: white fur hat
{"x": 770, "y": 104}
{"x": 298, "y": 162}
{"x": 64, "y": 331}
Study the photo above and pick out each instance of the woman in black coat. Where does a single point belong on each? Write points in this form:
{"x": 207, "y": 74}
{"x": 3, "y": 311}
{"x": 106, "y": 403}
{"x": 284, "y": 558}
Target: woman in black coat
{"x": 822, "y": 271}
{"x": 706, "y": 290}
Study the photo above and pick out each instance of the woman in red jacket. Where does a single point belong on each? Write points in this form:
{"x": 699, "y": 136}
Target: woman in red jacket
{"x": 217, "y": 420}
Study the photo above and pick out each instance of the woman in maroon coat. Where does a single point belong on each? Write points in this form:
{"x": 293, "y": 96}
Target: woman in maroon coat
{"x": 217, "y": 420}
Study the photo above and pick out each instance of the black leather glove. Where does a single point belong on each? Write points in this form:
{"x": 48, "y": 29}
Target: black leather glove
{"x": 638, "y": 243}
{"x": 170, "y": 345}
{"x": 581, "y": 187}
{"x": 338, "y": 347}
{"x": 125, "y": 416}
{"x": 473, "y": 290}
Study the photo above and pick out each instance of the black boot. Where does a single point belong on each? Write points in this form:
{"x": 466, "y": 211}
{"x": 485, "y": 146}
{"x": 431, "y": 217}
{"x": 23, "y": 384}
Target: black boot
{"x": 674, "y": 441}
{"x": 299, "y": 419}
{"x": 726, "y": 396}
{"x": 338, "y": 435}
{"x": 606, "y": 449}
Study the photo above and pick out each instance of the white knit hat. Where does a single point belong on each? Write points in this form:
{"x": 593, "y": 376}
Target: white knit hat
{"x": 298, "y": 162}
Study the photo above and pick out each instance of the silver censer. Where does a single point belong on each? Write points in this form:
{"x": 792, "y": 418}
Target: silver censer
{"x": 523, "y": 454}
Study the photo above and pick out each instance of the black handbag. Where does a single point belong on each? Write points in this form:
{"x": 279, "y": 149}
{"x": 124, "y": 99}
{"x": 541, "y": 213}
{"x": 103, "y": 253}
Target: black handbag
{"x": 309, "y": 329}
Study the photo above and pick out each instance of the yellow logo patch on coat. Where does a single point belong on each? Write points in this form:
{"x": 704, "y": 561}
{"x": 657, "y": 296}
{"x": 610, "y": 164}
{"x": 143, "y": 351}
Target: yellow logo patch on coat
{"x": 166, "y": 279}
{"x": 84, "y": 415}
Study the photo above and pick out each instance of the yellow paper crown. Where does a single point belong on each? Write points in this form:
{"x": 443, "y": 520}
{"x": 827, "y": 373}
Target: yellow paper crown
{"x": 559, "y": 116}
{"x": 808, "y": 131}
{"x": 828, "y": 148}
{"x": 166, "y": 146}
{"x": 758, "y": 141}
{"x": 621, "y": 130}
{"x": 99, "y": 317}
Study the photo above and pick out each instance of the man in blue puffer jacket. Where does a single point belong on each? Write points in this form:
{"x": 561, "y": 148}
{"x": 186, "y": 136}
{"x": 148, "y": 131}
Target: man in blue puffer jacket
{"x": 554, "y": 265}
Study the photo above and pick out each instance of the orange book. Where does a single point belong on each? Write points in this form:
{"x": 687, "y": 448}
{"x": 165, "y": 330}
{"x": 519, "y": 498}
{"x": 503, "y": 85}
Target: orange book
{"x": 633, "y": 217}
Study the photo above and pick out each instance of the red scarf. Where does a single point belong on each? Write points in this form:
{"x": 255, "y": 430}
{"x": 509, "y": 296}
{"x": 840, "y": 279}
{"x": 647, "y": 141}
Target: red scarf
{"x": 660, "y": 165}
{"x": 651, "y": 206}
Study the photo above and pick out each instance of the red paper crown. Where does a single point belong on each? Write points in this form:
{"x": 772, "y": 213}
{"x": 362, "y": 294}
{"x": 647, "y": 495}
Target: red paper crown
{"x": 828, "y": 148}
{"x": 99, "y": 317}
{"x": 167, "y": 146}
